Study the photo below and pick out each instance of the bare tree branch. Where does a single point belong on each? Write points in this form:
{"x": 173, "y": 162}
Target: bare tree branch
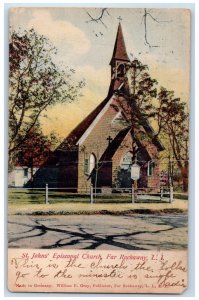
{"x": 99, "y": 18}
{"x": 145, "y": 16}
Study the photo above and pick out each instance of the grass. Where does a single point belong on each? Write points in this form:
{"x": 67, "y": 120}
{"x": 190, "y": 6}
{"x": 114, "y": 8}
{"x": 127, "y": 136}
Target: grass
{"x": 29, "y": 196}
{"x": 178, "y": 206}
{"x": 181, "y": 196}
{"x": 32, "y": 202}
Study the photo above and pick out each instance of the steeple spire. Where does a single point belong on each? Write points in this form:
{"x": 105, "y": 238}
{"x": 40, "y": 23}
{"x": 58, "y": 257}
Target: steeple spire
{"x": 119, "y": 63}
{"x": 119, "y": 52}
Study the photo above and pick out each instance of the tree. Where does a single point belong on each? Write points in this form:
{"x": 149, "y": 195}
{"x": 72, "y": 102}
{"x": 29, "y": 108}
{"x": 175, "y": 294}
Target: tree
{"x": 173, "y": 124}
{"x": 138, "y": 107}
{"x": 35, "y": 83}
{"x": 145, "y": 103}
{"x": 35, "y": 150}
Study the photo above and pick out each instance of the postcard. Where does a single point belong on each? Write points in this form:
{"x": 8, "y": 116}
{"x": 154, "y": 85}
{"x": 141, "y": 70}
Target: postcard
{"x": 98, "y": 150}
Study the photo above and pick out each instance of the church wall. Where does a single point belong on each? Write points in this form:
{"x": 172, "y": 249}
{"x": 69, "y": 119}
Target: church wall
{"x": 83, "y": 181}
{"x": 154, "y": 180}
{"x": 96, "y": 143}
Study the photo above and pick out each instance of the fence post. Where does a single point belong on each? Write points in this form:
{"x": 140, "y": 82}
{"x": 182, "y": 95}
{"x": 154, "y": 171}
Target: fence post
{"x": 133, "y": 193}
{"x": 171, "y": 194}
{"x": 91, "y": 193}
{"x": 46, "y": 193}
{"x": 161, "y": 193}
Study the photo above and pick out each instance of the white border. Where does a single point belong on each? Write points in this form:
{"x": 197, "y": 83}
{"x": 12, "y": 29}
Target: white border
{"x": 194, "y": 160}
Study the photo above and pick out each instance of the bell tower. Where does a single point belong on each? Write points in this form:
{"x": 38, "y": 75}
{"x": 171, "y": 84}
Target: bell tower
{"x": 119, "y": 60}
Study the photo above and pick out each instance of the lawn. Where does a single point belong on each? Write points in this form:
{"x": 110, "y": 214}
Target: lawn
{"x": 37, "y": 196}
{"x": 32, "y": 202}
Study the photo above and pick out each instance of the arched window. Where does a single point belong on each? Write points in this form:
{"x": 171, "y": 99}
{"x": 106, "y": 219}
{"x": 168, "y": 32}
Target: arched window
{"x": 121, "y": 70}
{"x": 92, "y": 162}
{"x": 126, "y": 161}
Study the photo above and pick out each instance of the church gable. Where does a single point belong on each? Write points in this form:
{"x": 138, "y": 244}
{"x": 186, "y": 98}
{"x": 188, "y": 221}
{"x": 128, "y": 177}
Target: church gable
{"x": 97, "y": 137}
{"x": 99, "y": 120}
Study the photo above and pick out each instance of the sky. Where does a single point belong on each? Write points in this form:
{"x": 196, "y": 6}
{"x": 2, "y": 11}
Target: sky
{"x": 87, "y": 47}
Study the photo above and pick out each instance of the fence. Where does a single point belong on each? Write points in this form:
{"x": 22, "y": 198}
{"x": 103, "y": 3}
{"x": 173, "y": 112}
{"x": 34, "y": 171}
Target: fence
{"x": 110, "y": 195}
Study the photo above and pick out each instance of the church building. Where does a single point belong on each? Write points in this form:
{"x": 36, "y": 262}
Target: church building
{"x": 98, "y": 151}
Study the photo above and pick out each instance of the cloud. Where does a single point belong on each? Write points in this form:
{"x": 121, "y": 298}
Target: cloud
{"x": 63, "y": 34}
{"x": 96, "y": 79}
{"x": 62, "y": 118}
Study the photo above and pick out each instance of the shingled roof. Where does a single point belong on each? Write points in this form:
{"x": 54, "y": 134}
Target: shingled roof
{"x": 79, "y": 130}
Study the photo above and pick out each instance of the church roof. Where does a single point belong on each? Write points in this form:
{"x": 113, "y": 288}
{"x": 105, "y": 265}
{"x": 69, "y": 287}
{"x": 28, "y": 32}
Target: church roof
{"x": 119, "y": 52}
{"x": 79, "y": 130}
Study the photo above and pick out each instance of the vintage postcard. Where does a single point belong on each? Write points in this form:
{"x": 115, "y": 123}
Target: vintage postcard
{"x": 98, "y": 150}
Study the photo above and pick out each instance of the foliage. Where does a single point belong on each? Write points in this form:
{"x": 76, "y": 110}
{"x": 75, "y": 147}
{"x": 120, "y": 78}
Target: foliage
{"x": 145, "y": 103}
{"x": 139, "y": 106}
{"x": 34, "y": 150}
{"x": 35, "y": 83}
{"x": 173, "y": 123}
{"x": 142, "y": 92}
{"x": 172, "y": 120}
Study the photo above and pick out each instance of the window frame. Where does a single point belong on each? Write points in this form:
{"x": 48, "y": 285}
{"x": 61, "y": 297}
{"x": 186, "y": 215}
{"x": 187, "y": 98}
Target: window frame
{"x": 94, "y": 160}
{"x": 150, "y": 168}
{"x": 86, "y": 166}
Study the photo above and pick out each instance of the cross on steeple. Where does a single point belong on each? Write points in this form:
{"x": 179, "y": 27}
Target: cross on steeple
{"x": 119, "y": 62}
{"x": 120, "y": 18}
{"x": 109, "y": 139}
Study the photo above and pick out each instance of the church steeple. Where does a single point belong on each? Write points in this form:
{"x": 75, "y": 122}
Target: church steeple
{"x": 119, "y": 52}
{"x": 119, "y": 61}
